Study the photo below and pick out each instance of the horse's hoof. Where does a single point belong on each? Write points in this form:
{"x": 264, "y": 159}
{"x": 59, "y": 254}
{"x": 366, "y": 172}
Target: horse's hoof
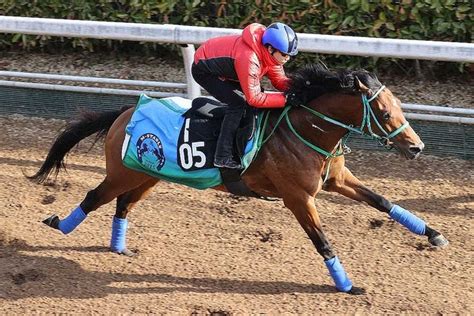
{"x": 439, "y": 241}
{"x": 356, "y": 291}
{"x": 126, "y": 252}
{"x": 52, "y": 221}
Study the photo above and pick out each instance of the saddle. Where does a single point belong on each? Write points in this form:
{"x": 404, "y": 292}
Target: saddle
{"x": 175, "y": 139}
{"x": 203, "y": 123}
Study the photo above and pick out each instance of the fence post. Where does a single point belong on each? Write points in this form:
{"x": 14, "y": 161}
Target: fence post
{"x": 194, "y": 90}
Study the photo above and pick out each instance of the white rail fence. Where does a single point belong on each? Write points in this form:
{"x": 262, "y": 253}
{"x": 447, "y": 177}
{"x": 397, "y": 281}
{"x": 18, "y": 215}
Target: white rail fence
{"x": 187, "y": 36}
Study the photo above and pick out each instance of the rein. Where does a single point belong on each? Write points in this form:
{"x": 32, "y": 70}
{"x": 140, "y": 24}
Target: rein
{"x": 366, "y": 119}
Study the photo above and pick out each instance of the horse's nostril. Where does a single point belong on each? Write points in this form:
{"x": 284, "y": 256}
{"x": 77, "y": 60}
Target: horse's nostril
{"x": 417, "y": 149}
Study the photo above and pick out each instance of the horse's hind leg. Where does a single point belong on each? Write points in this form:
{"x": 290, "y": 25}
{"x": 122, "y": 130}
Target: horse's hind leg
{"x": 344, "y": 182}
{"x": 125, "y": 202}
{"x": 108, "y": 190}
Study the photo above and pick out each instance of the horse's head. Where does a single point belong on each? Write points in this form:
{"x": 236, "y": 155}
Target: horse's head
{"x": 380, "y": 115}
{"x": 385, "y": 119}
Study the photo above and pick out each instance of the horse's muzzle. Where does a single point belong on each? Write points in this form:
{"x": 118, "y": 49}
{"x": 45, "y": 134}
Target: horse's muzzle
{"x": 415, "y": 151}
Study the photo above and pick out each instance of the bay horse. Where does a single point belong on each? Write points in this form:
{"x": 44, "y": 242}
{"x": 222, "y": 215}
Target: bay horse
{"x": 300, "y": 156}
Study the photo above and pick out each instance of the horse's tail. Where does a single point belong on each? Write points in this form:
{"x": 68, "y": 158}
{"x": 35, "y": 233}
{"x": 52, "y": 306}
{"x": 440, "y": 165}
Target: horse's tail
{"x": 88, "y": 124}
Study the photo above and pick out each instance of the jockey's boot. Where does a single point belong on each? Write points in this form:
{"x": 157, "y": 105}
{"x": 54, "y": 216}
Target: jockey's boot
{"x": 228, "y": 162}
{"x": 224, "y": 157}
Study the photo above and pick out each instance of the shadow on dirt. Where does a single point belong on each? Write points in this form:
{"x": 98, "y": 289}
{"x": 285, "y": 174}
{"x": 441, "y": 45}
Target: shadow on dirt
{"x": 26, "y": 275}
{"x": 448, "y": 206}
{"x": 32, "y": 163}
{"x": 441, "y": 205}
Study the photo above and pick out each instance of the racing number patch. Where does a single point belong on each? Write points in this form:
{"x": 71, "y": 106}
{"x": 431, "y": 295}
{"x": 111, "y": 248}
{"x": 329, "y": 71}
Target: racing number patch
{"x": 191, "y": 155}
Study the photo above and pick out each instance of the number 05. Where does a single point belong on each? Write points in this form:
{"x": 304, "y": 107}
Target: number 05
{"x": 189, "y": 153}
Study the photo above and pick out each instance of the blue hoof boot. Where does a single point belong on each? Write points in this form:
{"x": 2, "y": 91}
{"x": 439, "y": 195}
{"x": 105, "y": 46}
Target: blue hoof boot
{"x": 338, "y": 274}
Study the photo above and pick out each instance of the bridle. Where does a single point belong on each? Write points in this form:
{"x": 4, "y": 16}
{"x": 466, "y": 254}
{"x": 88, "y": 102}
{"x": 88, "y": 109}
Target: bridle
{"x": 368, "y": 115}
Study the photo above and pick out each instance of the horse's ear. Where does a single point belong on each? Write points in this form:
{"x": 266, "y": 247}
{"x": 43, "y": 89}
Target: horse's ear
{"x": 359, "y": 86}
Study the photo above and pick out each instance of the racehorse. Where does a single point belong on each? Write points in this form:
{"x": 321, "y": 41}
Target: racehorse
{"x": 301, "y": 155}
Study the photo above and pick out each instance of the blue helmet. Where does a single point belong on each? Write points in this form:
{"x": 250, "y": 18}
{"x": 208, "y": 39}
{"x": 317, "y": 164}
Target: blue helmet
{"x": 281, "y": 37}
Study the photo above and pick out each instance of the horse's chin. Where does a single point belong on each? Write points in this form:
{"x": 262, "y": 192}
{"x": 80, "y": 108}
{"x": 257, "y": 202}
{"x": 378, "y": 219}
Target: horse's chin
{"x": 411, "y": 156}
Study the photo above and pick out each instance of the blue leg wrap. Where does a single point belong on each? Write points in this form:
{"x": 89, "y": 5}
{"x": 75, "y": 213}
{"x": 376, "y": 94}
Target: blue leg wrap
{"x": 119, "y": 233}
{"x": 76, "y": 217}
{"x": 407, "y": 219}
{"x": 338, "y": 274}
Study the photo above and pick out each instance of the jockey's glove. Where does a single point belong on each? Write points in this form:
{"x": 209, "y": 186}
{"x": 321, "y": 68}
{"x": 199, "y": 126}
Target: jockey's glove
{"x": 293, "y": 100}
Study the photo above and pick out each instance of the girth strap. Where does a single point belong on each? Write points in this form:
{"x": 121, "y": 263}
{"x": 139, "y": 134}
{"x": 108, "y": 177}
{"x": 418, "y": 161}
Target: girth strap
{"x": 234, "y": 183}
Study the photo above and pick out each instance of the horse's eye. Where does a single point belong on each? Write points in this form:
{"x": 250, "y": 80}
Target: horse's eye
{"x": 386, "y": 116}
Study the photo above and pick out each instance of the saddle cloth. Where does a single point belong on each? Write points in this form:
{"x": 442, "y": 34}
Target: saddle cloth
{"x": 174, "y": 139}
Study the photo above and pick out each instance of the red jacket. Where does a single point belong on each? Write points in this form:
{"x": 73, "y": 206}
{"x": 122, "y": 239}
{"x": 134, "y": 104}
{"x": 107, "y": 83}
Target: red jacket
{"x": 245, "y": 59}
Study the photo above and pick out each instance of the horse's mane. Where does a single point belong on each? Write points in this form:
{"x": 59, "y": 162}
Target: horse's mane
{"x": 314, "y": 80}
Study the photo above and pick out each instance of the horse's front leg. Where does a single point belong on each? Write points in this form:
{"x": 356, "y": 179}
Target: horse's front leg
{"x": 302, "y": 206}
{"x": 345, "y": 183}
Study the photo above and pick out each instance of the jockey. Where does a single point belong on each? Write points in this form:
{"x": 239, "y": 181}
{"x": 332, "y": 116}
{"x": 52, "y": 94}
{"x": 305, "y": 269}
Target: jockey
{"x": 230, "y": 69}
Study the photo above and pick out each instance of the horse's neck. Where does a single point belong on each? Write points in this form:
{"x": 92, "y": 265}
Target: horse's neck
{"x": 346, "y": 109}
{"x": 343, "y": 108}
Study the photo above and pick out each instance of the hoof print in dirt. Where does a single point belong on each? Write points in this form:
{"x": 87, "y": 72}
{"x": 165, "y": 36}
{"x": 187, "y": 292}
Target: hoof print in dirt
{"x": 48, "y": 199}
{"x": 269, "y": 236}
{"x": 66, "y": 185}
{"x": 219, "y": 313}
{"x": 424, "y": 247}
{"x": 50, "y": 184}
{"x": 227, "y": 211}
{"x": 376, "y": 223}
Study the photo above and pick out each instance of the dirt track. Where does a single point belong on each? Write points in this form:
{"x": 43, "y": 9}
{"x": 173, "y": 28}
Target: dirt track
{"x": 206, "y": 252}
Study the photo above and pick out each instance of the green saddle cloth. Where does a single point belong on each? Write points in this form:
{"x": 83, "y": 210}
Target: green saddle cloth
{"x": 151, "y": 144}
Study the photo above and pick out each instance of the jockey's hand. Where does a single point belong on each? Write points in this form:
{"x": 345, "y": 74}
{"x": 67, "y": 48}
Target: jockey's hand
{"x": 293, "y": 100}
